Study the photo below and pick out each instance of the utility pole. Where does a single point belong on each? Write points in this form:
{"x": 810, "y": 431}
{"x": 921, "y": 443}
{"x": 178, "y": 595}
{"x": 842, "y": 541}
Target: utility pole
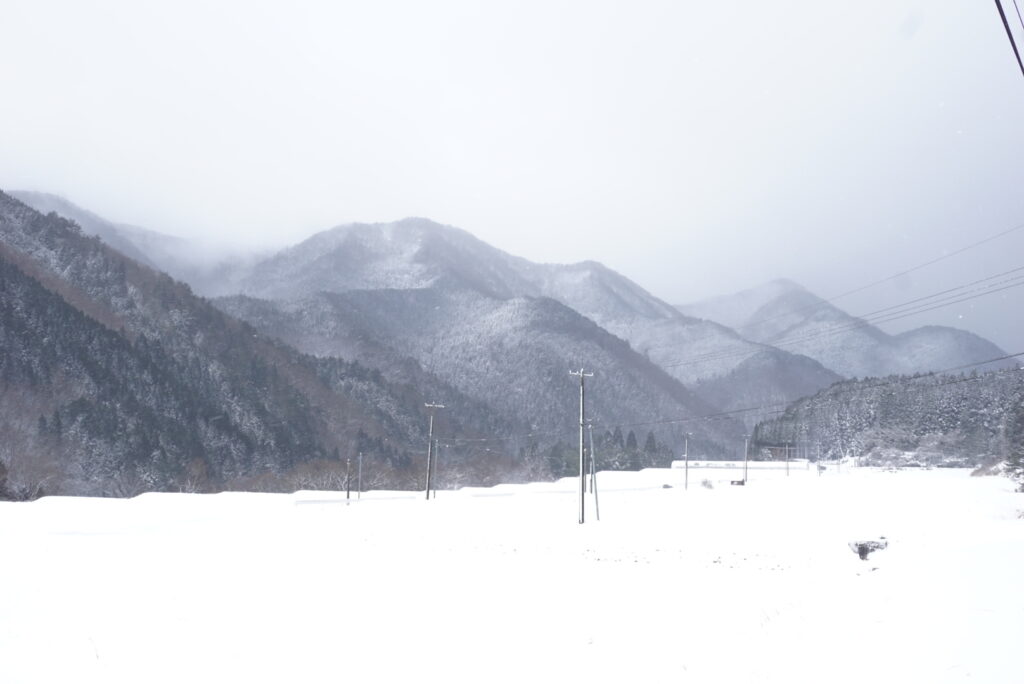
{"x": 348, "y": 479}
{"x": 746, "y": 451}
{"x": 430, "y": 441}
{"x": 593, "y": 472}
{"x": 359, "y": 477}
{"x": 590, "y": 436}
{"x": 686, "y": 460}
{"x": 437, "y": 459}
{"x": 787, "y": 459}
{"x": 583, "y": 468}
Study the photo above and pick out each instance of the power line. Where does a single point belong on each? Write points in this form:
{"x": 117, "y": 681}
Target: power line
{"x": 824, "y": 302}
{"x": 526, "y": 435}
{"x": 908, "y": 271}
{"x": 777, "y": 407}
{"x": 891, "y": 317}
{"x": 1009, "y": 33}
{"x": 937, "y": 294}
{"x": 813, "y": 403}
{"x": 831, "y": 398}
{"x": 769, "y": 408}
{"x": 885, "y": 315}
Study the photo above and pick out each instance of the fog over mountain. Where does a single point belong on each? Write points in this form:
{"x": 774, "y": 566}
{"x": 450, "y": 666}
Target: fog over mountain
{"x": 774, "y": 343}
{"x": 415, "y": 254}
{"x": 784, "y": 314}
{"x": 434, "y": 313}
{"x": 697, "y": 148}
{"x": 356, "y": 299}
{"x": 119, "y": 379}
{"x": 116, "y": 379}
{"x": 207, "y": 268}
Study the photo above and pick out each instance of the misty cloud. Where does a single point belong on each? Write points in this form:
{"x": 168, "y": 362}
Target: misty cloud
{"x": 699, "y": 149}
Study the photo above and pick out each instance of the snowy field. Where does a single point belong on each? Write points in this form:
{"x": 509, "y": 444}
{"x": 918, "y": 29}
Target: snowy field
{"x": 721, "y": 584}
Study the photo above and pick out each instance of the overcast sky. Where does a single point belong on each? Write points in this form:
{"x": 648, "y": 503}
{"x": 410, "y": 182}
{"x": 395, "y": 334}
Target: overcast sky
{"x": 696, "y": 147}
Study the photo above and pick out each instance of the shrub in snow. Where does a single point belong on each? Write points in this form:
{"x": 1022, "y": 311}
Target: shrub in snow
{"x": 865, "y": 548}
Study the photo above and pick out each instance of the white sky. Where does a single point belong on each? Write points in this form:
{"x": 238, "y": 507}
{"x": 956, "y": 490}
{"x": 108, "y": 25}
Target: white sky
{"x": 696, "y": 147}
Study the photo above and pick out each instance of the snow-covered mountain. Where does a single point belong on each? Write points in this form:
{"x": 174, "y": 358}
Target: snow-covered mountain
{"x": 119, "y": 236}
{"x": 480, "y": 299}
{"x": 513, "y": 353}
{"x": 785, "y": 315}
{"x": 496, "y": 326}
{"x": 209, "y": 271}
{"x": 418, "y": 253}
{"x": 114, "y": 379}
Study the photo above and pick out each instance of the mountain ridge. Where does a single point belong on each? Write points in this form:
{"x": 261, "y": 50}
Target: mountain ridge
{"x": 153, "y": 387}
{"x": 416, "y": 253}
{"x": 384, "y": 260}
{"x": 784, "y": 314}
{"x": 756, "y": 363}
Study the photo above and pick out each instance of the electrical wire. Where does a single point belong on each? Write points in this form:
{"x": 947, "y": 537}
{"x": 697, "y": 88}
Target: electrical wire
{"x": 831, "y": 399}
{"x": 830, "y": 332}
{"x": 824, "y": 302}
{"x": 885, "y": 315}
{"x": 908, "y": 271}
{"x": 1009, "y": 34}
{"x": 776, "y": 407}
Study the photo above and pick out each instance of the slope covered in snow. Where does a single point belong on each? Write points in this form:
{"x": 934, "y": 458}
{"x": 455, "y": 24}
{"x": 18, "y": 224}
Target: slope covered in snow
{"x": 117, "y": 236}
{"x": 208, "y": 270}
{"x": 513, "y": 353}
{"x": 417, "y": 253}
{"x": 735, "y": 310}
{"x": 114, "y": 378}
{"x": 729, "y": 584}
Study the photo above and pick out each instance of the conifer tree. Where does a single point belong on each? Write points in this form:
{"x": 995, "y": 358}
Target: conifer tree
{"x": 1015, "y": 438}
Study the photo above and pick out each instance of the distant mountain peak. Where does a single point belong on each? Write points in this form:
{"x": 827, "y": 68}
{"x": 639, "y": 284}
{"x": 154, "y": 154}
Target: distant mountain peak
{"x": 786, "y": 283}
{"x": 737, "y": 310}
{"x": 784, "y": 314}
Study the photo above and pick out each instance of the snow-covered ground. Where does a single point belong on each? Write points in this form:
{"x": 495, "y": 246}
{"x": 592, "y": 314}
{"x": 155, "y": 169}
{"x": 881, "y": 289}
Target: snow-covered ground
{"x": 721, "y": 584}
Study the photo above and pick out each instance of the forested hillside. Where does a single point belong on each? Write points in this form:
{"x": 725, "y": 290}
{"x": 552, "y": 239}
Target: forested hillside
{"x": 962, "y": 419}
{"x": 116, "y": 379}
